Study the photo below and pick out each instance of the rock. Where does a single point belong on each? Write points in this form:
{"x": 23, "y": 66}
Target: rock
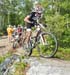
{"x": 39, "y": 68}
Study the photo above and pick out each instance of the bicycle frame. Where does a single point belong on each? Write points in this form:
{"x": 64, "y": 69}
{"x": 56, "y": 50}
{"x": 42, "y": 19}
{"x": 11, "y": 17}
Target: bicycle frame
{"x": 40, "y": 26}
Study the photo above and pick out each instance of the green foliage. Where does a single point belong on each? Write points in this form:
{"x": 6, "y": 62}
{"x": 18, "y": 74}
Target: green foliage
{"x": 20, "y": 68}
{"x": 1, "y": 34}
{"x": 63, "y": 53}
{"x": 56, "y": 16}
{"x": 20, "y": 65}
{"x": 2, "y": 58}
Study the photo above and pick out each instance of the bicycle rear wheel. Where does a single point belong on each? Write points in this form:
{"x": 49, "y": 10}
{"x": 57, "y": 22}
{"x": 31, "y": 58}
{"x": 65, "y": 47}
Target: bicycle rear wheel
{"x": 49, "y": 47}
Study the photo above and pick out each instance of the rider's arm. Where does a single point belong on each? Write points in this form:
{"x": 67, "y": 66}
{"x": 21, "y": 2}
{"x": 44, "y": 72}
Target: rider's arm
{"x": 26, "y": 19}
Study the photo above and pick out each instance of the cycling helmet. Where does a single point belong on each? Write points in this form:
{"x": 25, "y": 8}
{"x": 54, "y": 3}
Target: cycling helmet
{"x": 37, "y": 8}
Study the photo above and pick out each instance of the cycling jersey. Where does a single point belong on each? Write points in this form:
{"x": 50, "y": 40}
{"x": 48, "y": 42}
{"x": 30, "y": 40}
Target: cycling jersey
{"x": 19, "y": 31}
{"x": 32, "y": 17}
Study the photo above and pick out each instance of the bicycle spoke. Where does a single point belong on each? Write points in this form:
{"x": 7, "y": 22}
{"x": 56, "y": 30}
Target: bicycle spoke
{"x": 49, "y": 47}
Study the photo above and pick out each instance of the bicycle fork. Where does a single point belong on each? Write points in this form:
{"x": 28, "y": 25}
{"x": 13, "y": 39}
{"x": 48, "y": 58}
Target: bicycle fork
{"x": 42, "y": 40}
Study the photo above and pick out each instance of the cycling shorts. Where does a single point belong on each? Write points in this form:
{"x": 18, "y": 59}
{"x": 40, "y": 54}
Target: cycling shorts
{"x": 29, "y": 26}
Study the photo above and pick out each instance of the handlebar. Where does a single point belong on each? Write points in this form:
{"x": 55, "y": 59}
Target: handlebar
{"x": 43, "y": 26}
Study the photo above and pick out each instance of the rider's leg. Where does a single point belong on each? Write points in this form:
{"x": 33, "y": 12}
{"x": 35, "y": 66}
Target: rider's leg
{"x": 24, "y": 36}
{"x": 28, "y": 34}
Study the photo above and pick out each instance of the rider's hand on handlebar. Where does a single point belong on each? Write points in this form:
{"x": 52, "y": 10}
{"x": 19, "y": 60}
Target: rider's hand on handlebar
{"x": 45, "y": 25}
{"x": 34, "y": 23}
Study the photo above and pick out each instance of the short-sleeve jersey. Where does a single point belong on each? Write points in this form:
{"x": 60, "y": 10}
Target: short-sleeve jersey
{"x": 33, "y": 18}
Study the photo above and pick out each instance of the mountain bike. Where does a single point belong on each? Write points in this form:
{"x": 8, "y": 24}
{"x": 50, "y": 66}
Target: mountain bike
{"x": 45, "y": 43}
{"x": 17, "y": 40}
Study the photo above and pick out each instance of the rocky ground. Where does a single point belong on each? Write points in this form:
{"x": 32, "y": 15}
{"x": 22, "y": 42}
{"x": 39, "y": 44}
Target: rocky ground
{"x": 48, "y": 67}
{"x": 5, "y": 46}
{"x": 38, "y": 65}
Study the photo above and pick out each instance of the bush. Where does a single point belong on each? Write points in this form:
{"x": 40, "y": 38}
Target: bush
{"x": 1, "y": 34}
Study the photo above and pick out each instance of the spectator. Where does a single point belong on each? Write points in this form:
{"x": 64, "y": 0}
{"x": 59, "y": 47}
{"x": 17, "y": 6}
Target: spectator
{"x": 10, "y": 31}
{"x": 14, "y": 30}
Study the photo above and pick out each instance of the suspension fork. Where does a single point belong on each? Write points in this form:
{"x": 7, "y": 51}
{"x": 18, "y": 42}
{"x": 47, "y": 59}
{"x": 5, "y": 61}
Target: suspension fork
{"x": 42, "y": 39}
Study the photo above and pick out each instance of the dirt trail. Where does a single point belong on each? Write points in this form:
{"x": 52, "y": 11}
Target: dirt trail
{"x": 5, "y": 46}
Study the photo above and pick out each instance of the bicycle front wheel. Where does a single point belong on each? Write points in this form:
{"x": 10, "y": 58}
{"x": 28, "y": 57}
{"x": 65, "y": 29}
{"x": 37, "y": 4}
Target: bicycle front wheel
{"x": 48, "y": 45}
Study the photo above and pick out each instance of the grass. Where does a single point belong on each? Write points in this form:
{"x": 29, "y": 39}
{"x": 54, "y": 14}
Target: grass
{"x": 63, "y": 53}
{"x": 2, "y": 58}
{"x": 20, "y": 68}
{"x": 35, "y": 52}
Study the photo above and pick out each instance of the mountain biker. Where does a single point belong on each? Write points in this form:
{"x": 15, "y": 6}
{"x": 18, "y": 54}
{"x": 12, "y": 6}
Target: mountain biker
{"x": 14, "y": 30}
{"x": 19, "y": 32}
{"x": 31, "y": 20}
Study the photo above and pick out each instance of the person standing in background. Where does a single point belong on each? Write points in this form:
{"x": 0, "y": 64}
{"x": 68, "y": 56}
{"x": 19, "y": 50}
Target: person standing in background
{"x": 9, "y": 32}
